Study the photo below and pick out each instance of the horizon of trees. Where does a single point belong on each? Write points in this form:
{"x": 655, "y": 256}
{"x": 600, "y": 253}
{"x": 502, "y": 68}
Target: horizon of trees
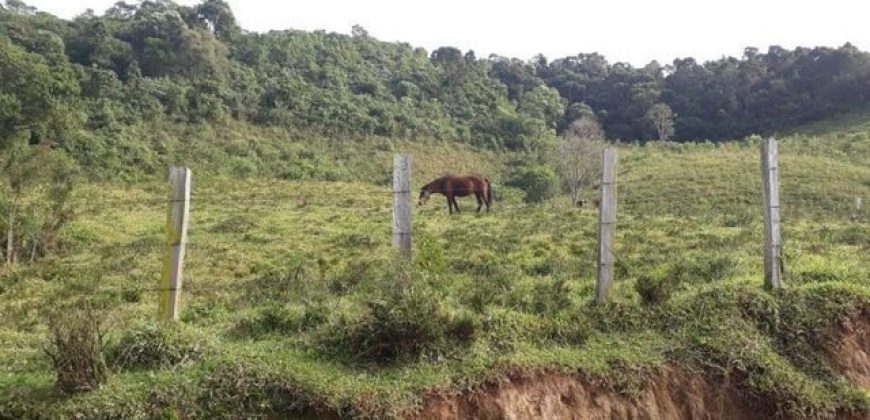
{"x": 194, "y": 64}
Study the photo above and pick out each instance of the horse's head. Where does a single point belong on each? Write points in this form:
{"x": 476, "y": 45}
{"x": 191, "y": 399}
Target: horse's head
{"x": 424, "y": 195}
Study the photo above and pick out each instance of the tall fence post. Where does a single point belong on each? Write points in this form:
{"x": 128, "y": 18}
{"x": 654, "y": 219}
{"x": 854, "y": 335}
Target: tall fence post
{"x": 773, "y": 269}
{"x": 402, "y": 204}
{"x": 606, "y": 224}
{"x": 176, "y": 235}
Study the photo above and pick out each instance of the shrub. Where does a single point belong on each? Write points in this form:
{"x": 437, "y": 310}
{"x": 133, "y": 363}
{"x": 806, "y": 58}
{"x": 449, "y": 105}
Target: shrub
{"x": 157, "y": 346}
{"x": 537, "y": 181}
{"x": 76, "y": 350}
{"x": 405, "y": 326}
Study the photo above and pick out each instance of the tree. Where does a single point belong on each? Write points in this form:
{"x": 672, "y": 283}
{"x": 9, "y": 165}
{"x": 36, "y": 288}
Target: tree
{"x": 36, "y": 98}
{"x": 219, "y": 18}
{"x": 35, "y": 196}
{"x": 543, "y": 104}
{"x": 539, "y": 182}
{"x": 662, "y": 118}
{"x": 579, "y": 155}
{"x": 357, "y": 31}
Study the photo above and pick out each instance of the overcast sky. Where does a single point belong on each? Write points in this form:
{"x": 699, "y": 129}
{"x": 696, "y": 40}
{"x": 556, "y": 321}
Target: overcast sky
{"x": 635, "y": 31}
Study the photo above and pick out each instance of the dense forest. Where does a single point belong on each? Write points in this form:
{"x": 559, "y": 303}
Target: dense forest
{"x": 77, "y": 84}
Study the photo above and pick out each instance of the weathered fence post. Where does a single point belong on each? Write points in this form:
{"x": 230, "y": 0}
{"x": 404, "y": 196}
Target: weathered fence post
{"x": 606, "y": 224}
{"x": 773, "y": 269}
{"x": 176, "y": 235}
{"x": 402, "y": 204}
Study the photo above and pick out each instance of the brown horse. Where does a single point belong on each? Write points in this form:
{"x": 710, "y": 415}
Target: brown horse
{"x": 458, "y": 186}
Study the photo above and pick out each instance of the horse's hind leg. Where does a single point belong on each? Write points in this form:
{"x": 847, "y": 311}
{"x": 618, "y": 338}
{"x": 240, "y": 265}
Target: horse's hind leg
{"x": 479, "y": 202}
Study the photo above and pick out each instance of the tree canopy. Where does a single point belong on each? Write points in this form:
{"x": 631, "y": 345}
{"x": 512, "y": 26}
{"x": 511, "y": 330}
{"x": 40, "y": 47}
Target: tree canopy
{"x": 192, "y": 64}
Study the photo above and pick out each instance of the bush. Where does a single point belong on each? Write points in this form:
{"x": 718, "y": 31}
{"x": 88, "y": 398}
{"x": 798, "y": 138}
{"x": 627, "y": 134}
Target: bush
{"x": 405, "y": 326}
{"x": 157, "y": 346}
{"x": 537, "y": 181}
{"x": 76, "y": 350}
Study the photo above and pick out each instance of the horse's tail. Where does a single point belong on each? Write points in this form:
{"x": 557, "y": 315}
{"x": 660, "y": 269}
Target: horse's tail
{"x": 488, "y": 192}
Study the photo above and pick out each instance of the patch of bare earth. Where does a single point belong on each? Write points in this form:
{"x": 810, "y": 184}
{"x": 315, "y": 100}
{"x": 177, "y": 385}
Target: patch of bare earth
{"x": 850, "y": 353}
{"x": 669, "y": 394}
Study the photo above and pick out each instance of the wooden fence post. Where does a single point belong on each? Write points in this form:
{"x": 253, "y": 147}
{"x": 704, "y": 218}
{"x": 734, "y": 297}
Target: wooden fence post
{"x": 402, "y": 204}
{"x": 773, "y": 269}
{"x": 176, "y": 235}
{"x": 606, "y": 224}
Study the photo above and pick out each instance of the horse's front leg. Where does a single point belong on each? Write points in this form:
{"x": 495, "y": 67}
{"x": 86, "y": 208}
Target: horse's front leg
{"x": 456, "y": 204}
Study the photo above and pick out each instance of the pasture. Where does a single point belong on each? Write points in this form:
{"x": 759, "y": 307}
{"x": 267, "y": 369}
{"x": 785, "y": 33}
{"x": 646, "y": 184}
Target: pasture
{"x": 291, "y": 302}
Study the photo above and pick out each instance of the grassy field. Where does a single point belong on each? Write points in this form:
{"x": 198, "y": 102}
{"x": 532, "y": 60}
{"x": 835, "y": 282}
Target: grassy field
{"x": 293, "y": 300}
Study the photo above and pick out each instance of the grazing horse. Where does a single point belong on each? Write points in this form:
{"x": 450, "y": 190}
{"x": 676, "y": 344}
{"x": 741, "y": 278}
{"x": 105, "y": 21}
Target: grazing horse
{"x": 458, "y": 186}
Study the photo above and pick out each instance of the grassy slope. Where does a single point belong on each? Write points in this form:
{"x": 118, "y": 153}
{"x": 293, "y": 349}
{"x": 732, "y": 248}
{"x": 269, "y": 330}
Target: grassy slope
{"x": 261, "y": 250}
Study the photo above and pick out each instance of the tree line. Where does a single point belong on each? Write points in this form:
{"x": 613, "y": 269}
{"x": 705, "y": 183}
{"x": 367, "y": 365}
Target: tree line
{"x": 192, "y": 64}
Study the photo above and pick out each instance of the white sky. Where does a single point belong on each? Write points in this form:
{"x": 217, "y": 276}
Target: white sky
{"x": 635, "y": 31}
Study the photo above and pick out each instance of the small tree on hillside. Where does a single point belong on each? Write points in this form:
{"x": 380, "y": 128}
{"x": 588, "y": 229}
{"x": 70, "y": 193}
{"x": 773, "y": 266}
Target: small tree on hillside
{"x": 35, "y": 192}
{"x": 579, "y": 155}
{"x": 662, "y": 119}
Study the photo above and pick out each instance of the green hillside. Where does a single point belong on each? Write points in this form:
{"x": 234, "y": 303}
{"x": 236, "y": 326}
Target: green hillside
{"x": 291, "y": 300}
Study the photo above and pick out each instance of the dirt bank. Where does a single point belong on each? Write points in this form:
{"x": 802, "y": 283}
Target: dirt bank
{"x": 670, "y": 394}
{"x": 850, "y": 353}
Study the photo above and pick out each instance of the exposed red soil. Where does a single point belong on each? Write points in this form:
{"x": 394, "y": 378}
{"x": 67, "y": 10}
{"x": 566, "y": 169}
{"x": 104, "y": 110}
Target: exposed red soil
{"x": 850, "y": 354}
{"x": 670, "y": 394}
